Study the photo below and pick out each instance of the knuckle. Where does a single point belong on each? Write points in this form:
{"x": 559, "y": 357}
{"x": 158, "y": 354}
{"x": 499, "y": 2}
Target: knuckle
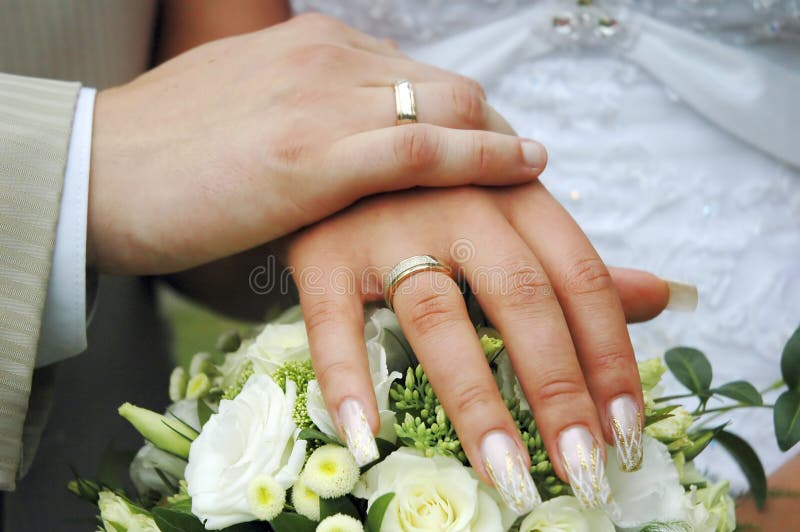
{"x": 325, "y": 313}
{"x": 473, "y": 85}
{"x": 611, "y": 360}
{"x": 416, "y": 147}
{"x": 482, "y": 153}
{"x": 559, "y": 389}
{"x": 527, "y": 285}
{"x": 587, "y": 276}
{"x": 468, "y": 105}
{"x": 318, "y": 55}
{"x": 431, "y": 313}
{"x": 335, "y": 372}
{"x": 472, "y": 397}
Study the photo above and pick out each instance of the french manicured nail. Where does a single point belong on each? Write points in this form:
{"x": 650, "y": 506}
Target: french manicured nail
{"x": 585, "y": 468}
{"x": 506, "y": 467}
{"x": 534, "y": 154}
{"x": 626, "y": 425}
{"x": 358, "y": 433}
{"x": 682, "y": 296}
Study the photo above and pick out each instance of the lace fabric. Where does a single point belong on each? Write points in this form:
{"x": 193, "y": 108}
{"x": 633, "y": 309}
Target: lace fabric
{"x": 654, "y": 185}
{"x": 421, "y": 21}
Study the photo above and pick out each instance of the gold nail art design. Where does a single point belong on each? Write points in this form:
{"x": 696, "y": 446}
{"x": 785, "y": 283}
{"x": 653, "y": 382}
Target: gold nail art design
{"x": 626, "y": 426}
{"x": 507, "y": 470}
{"x": 358, "y": 433}
{"x": 585, "y": 468}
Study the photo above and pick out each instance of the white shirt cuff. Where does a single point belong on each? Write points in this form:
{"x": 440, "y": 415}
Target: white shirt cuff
{"x": 63, "y": 332}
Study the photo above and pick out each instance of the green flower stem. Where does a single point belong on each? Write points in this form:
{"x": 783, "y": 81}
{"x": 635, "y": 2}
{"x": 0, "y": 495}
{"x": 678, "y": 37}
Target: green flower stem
{"x": 774, "y": 386}
{"x": 698, "y": 412}
{"x": 671, "y": 397}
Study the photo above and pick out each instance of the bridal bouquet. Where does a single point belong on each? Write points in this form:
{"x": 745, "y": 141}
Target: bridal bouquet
{"x": 248, "y": 445}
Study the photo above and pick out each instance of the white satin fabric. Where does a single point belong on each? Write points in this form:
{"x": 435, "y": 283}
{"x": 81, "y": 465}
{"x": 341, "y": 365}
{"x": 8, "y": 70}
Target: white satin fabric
{"x": 675, "y": 151}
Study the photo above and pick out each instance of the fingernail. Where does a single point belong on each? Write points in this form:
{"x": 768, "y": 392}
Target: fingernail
{"x": 534, "y": 154}
{"x": 585, "y": 468}
{"x": 506, "y": 467}
{"x": 682, "y": 296}
{"x": 626, "y": 425}
{"x": 358, "y": 433}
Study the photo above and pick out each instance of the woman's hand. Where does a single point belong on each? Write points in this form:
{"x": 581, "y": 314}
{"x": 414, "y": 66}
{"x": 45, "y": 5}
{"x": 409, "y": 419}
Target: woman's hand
{"x": 541, "y": 284}
{"x": 245, "y": 139}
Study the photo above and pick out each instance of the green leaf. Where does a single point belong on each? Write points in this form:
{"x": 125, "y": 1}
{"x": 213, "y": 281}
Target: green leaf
{"x": 314, "y": 434}
{"x": 203, "y": 411}
{"x": 790, "y": 361}
{"x": 786, "y": 415}
{"x": 339, "y": 505}
{"x": 290, "y": 522}
{"x": 171, "y": 520}
{"x": 377, "y": 511}
{"x": 691, "y": 368}
{"x": 748, "y": 461}
{"x": 657, "y": 415}
{"x": 741, "y": 391}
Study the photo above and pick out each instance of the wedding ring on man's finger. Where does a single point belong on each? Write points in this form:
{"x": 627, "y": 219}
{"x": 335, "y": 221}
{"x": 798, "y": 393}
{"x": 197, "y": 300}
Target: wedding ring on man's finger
{"x": 404, "y": 102}
{"x": 405, "y": 269}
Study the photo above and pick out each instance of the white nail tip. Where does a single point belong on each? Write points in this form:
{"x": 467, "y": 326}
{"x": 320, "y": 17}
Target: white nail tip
{"x": 626, "y": 426}
{"x": 682, "y": 296}
{"x": 506, "y": 467}
{"x": 358, "y": 433}
{"x": 585, "y": 467}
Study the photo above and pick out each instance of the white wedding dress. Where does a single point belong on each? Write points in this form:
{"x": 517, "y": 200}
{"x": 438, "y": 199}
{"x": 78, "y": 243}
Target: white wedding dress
{"x": 673, "y": 139}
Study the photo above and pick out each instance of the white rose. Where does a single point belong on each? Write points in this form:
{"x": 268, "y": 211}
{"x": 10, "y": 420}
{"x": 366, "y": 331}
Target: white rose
{"x": 508, "y": 383}
{"x": 118, "y": 515}
{"x": 437, "y": 493}
{"x": 381, "y": 381}
{"x": 383, "y": 328}
{"x": 251, "y": 436}
{"x": 653, "y": 493}
{"x": 276, "y": 344}
{"x": 564, "y": 514}
{"x": 144, "y": 466}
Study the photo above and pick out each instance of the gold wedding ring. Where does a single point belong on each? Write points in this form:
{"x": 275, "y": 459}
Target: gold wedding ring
{"x": 404, "y": 102}
{"x": 405, "y": 269}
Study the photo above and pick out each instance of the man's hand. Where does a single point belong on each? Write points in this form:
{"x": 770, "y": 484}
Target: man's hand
{"x": 245, "y": 139}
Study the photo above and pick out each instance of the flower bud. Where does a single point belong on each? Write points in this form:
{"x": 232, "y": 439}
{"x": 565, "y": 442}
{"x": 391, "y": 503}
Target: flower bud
{"x": 177, "y": 384}
{"x": 167, "y": 434}
{"x": 198, "y": 386}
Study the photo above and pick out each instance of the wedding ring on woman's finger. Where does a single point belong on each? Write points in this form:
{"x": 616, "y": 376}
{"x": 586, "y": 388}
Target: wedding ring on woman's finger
{"x": 405, "y": 103}
{"x": 405, "y": 269}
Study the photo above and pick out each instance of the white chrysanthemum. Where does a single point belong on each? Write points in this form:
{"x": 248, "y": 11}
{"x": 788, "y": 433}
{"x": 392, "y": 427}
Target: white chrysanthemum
{"x": 266, "y": 497}
{"x": 305, "y": 501}
{"x": 565, "y": 514}
{"x": 251, "y": 435}
{"x": 340, "y": 523}
{"x": 331, "y": 471}
{"x": 379, "y": 351}
{"x": 437, "y": 493}
{"x": 177, "y": 384}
